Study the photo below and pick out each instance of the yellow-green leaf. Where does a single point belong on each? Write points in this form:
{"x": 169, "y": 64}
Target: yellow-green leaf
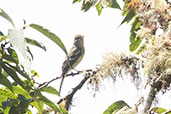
{"x": 99, "y": 7}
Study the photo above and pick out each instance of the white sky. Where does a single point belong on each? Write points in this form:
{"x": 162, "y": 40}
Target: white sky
{"x": 66, "y": 20}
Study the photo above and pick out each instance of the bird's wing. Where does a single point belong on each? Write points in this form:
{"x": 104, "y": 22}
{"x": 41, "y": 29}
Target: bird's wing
{"x": 69, "y": 62}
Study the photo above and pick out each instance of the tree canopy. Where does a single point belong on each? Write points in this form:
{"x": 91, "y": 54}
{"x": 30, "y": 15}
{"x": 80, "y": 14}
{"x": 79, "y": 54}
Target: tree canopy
{"x": 149, "y": 58}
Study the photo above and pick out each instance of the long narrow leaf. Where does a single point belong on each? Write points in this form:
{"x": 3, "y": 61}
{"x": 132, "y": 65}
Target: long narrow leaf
{"x": 36, "y": 105}
{"x": 35, "y": 43}
{"x": 47, "y": 101}
{"x": 13, "y": 74}
{"x": 128, "y": 17}
{"x": 4, "y": 81}
{"x": 50, "y": 35}
{"x": 115, "y": 107}
{"x": 7, "y": 93}
{"x": 5, "y": 15}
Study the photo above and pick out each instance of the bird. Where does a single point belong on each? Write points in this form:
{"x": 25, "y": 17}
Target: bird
{"x": 74, "y": 57}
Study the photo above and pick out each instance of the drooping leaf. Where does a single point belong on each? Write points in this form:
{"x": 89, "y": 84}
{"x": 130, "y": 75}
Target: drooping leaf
{"x": 50, "y": 89}
{"x": 47, "y": 101}
{"x": 128, "y": 17}
{"x": 12, "y": 74}
{"x": 35, "y": 43}
{"x": 5, "y": 15}
{"x": 158, "y": 110}
{"x": 99, "y": 7}
{"x": 135, "y": 42}
{"x": 4, "y": 81}
{"x": 29, "y": 51}
{"x": 50, "y": 35}
{"x": 115, "y": 107}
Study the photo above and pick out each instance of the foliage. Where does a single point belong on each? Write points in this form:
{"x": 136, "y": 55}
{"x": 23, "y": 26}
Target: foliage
{"x": 146, "y": 17}
{"x": 20, "y": 92}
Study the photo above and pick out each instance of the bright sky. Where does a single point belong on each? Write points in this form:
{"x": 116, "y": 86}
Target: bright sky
{"x": 66, "y": 20}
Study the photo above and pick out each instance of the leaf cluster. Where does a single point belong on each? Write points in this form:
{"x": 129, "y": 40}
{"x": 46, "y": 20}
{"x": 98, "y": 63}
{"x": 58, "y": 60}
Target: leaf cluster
{"x": 18, "y": 89}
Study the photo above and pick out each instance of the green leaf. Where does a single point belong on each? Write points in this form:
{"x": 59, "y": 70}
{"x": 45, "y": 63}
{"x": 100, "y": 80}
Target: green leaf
{"x": 50, "y": 89}
{"x": 12, "y": 56}
{"x": 29, "y": 51}
{"x": 34, "y": 73}
{"x": 12, "y": 74}
{"x": 135, "y": 42}
{"x": 115, "y": 107}
{"x": 169, "y": 112}
{"x": 158, "y": 110}
{"x": 50, "y": 35}
{"x": 36, "y": 105}
{"x": 86, "y": 5}
{"x": 47, "y": 101}
{"x": 99, "y": 7}
{"x": 29, "y": 111}
{"x": 76, "y": 1}
{"x": 2, "y": 99}
{"x": 21, "y": 72}
{"x": 21, "y": 91}
{"x": 114, "y": 4}
{"x": 9, "y": 58}
{"x": 135, "y": 25}
{"x": 63, "y": 111}
{"x": 128, "y": 17}
{"x": 35, "y": 43}
{"x": 2, "y": 38}
{"x": 5, "y": 15}
{"x": 7, "y": 93}
{"x": 9, "y": 103}
{"x": 4, "y": 81}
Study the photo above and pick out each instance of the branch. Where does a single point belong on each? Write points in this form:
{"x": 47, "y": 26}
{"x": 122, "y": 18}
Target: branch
{"x": 44, "y": 84}
{"x": 156, "y": 86}
{"x": 68, "y": 99}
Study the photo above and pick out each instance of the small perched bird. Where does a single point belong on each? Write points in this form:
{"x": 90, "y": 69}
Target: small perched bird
{"x": 74, "y": 57}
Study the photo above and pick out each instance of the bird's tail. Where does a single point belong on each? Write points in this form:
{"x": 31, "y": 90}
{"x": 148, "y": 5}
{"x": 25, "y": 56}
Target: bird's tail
{"x": 62, "y": 80}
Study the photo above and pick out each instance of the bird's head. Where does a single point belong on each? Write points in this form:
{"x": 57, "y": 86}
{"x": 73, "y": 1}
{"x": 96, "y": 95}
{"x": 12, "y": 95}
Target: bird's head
{"x": 79, "y": 40}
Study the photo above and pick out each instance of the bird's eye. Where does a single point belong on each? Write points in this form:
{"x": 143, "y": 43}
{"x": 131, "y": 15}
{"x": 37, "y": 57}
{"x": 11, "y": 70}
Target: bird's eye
{"x": 77, "y": 38}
